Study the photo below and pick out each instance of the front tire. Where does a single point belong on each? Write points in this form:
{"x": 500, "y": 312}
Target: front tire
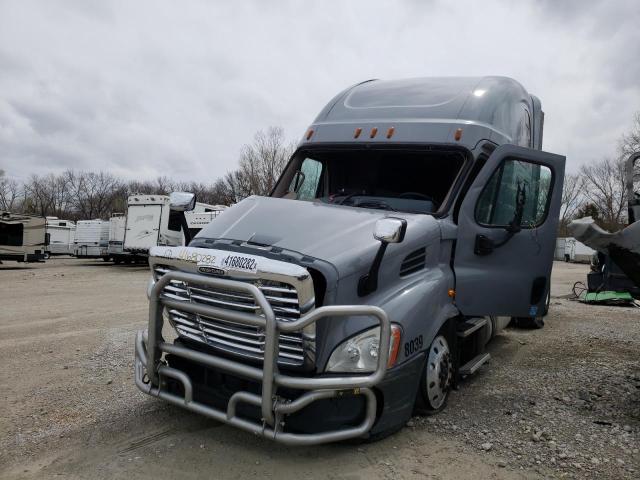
{"x": 437, "y": 377}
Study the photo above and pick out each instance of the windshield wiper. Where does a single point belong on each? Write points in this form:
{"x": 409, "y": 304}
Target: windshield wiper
{"x": 375, "y": 203}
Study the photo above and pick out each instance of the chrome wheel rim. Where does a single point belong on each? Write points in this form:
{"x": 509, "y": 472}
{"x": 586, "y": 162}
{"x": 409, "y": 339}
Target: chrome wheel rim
{"x": 439, "y": 372}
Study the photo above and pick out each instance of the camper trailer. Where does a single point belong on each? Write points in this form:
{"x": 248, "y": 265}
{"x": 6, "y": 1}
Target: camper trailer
{"x": 196, "y": 221}
{"x": 150, "y": 222}
{"x": 22, "y": 237}
{"x": 60, "y": 236}
{"x": 115, "y": 250}
{"x": 92, "y": 239}
{"x": 414, "y": 220}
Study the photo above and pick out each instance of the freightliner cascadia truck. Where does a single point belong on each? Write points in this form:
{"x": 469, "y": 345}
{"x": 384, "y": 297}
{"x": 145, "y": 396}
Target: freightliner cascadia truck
{"x": 414, "y": 220}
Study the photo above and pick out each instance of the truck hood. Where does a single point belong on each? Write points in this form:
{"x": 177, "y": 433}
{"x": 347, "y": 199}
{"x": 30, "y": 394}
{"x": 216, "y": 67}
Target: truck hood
{"x": 340, "y": 235}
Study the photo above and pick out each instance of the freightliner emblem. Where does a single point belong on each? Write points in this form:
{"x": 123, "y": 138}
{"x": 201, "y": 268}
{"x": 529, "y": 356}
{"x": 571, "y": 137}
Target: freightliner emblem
{"x": 208, "y": 270}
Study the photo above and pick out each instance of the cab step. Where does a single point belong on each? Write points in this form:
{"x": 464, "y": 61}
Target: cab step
{"x": 470, "y": 326}
{"x": 474, "y": 364}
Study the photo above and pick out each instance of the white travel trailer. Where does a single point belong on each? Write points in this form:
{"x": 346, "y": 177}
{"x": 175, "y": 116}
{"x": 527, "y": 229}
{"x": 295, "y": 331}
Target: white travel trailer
{"x": 150, "y": 222}
{"x": 60, "y": 236}
{"x": 92, "y": 239}
{"x": 115, "y": 250}
{"x": 196, "y": 221}
{"x": 22, "y": 237}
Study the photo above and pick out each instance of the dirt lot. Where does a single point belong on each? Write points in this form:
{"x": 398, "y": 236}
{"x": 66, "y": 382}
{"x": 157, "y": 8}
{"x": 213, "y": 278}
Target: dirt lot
{"x": 559, "y": 402}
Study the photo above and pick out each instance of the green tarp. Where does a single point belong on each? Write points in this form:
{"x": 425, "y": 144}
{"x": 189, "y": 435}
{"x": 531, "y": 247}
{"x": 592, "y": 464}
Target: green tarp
{"x": 609, "y": 298}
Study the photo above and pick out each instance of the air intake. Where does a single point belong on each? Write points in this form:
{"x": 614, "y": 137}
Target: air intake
{"x": 414, "y": 262}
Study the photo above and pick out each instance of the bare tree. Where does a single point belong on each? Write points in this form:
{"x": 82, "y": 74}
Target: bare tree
{"x": 604, "y": 183}
{"x": 93, "y": 194}
{"x": 9, "y": 192}
{"x": 630, "y": 141}
{"x": 572, "y": 200}
{"x": 262, "y": 162}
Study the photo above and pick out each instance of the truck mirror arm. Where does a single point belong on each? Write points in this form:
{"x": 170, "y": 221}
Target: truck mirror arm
{"x": 185, "y": 228}
{"x": 369, "y": 283}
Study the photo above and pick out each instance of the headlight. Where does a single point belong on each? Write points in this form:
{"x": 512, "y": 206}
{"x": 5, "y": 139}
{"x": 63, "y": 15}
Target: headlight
{"x": 360, "y": 353}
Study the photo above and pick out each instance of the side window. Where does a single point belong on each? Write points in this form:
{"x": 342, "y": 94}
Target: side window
{"x": 306, "y": 185}
{"x": 11, "y": 234}
{"x": 498, "y": 201}
{"x": 175, "y": 224}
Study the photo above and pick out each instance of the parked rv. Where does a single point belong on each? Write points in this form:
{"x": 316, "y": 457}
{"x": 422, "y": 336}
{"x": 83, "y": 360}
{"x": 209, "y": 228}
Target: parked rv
{"x": 151, "y": 222}
{"x": 61, "y": 235}
{"x": 22, "y": 237}
{"x": 414, "y": 220}
{"x": 92, "y": 239}
{"x": 115, "y": 250}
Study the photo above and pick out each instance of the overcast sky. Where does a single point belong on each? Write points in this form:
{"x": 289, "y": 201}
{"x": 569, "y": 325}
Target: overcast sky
{"x": 142, "y": 89}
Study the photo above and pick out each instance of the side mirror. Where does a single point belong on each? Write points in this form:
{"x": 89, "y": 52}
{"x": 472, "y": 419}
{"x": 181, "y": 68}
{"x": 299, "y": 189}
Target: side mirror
{"x": 182, "y": 201}
{"x": 390, "y": 230}
{"x": 387, "y": 230}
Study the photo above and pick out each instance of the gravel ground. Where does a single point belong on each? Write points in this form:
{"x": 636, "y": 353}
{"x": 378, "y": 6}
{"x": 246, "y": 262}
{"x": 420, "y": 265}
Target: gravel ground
{"x": 562, "y": 402}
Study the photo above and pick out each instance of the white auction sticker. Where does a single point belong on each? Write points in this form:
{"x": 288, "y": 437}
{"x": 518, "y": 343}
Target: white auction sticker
{"x": 240, "y": 263}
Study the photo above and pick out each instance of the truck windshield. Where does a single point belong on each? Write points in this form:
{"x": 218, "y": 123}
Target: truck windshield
{"x": 396, "y": 180}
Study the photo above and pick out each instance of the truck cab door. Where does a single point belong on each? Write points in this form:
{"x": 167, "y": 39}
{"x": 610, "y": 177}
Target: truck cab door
{"x": 503, "y": 266}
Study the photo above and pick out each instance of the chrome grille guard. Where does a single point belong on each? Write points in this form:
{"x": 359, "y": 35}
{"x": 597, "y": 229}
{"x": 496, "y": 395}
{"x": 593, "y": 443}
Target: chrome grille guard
{"x": 151, "y": 372}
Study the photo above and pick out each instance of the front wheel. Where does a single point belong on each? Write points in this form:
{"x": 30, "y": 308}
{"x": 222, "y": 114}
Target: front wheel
{"x": 437, "y": 377}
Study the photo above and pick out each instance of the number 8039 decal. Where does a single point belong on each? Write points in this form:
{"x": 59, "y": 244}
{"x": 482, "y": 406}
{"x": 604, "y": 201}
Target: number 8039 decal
{"x": 413, "y": 346}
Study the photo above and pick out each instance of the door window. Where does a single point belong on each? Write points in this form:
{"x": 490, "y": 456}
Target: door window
{"x": 497, "y": 204}
{"x": 307, "y": 182}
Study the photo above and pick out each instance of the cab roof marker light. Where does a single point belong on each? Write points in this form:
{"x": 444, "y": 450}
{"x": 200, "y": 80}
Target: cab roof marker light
{"x": 309, "y": 133}
{"x": 357, "y": 132}
{"x": 390, "y": 132}
{"x": 458, "y": 135}
{"x": 374, "y": 132}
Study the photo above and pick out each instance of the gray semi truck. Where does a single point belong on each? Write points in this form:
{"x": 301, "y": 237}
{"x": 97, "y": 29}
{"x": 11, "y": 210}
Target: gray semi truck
{"x": 414, "y": 220}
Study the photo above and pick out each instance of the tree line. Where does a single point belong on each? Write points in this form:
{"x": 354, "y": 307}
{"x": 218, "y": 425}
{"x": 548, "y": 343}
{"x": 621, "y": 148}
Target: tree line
{"x": 597, "y": 189}
{"x": 84, "y": 195}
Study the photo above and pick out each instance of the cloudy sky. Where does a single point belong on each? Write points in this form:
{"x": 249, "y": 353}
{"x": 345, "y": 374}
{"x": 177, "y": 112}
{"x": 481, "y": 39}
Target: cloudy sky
{"x": 147, "y": 88}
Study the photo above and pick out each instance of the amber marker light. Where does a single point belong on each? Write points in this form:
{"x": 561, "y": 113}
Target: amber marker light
{"x": 374, "y": 132}
{"x": 394, "y": 347}
{"x": 458, "y": 135}
{"x": 451, "y": 293}
{"x": 357, "y": 132}
{"x": 390, "y": 132}
{"x": 310, "y": 133}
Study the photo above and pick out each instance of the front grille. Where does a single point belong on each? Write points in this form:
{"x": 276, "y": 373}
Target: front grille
{"x": 234, "y": 337}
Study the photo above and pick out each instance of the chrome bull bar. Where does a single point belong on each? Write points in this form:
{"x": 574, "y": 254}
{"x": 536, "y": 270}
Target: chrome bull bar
{"x": 151, "y": 372}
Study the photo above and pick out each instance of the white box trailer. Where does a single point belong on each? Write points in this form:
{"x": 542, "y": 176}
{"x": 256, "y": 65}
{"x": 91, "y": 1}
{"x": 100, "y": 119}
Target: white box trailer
{"x": 60, "y": 236}
{"x": 571, "y": 250}
{"x": 92, "y": 239}
{"x": 150, "y": 222}
{"x": 22, "y": 237}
